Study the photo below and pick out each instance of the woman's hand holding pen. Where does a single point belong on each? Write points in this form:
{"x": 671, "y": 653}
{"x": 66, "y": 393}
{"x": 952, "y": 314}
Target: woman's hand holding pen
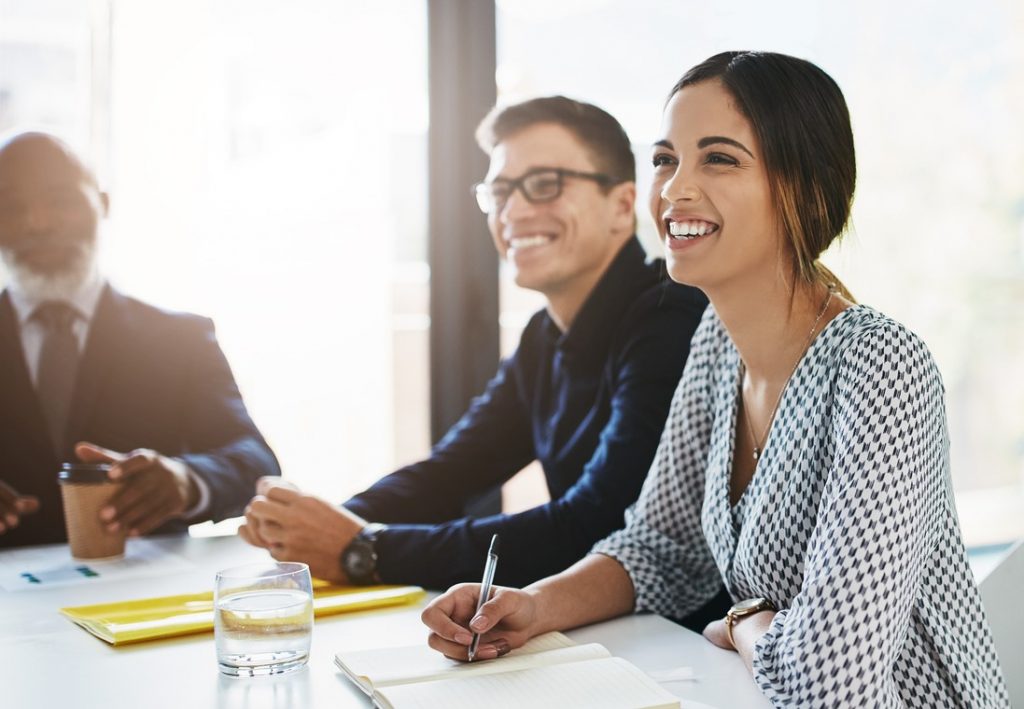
{"x": 595, "y": 588}
{"x": 504, "y": 623}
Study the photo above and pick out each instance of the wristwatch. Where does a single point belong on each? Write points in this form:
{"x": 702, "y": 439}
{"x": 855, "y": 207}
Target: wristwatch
{"x": 359, "y": 558}
{"x": 742, "y": 610}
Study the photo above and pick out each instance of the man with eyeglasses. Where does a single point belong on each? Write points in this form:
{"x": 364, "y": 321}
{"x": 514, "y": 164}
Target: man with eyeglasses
{"x": 88, "y": 373}
{"x": 586, "y": 393}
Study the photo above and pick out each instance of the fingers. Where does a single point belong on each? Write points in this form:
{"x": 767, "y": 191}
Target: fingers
{"x": 490, "y": 648}
{"x": 447, "y": 615}
{"x": 504, "y": 622}
{"x": 122, "y": 464}
{"x": 142, "y": 504}
{"x": 455, "y": 651}
{"x": 8, "y": 506}
{"x": 250, "y": 531}
{"x": 13, "y": 506}
{"x": 254, "y": 536}
{"x": 154, "y": 490}
{"x": 243, "y": 532}
{"x": 251, "y": 535}
{"x": 285, "y": 494}
{"x": 501, "y": 605}
{"x": 8, "y": 495}
{"x": 268, "y": 481}
{"x": 263, "y": 510}
{"x": 129, "y": 495}
{"x": 133, "y": 463}
{"x": 271, "y": 533}
{"x": 92, "y": 453}
{"x": 145, "y": 519}
{"x": 27, "y": 504}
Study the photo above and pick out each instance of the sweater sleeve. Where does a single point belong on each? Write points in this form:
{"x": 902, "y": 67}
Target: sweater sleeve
{"x": 662, "y": 546}
{"x": 489, "y": 444}
{"x": 551, "y": 537}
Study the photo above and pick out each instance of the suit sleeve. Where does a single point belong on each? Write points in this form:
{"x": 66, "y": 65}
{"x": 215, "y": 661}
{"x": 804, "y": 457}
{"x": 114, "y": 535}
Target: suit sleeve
{"x": 489, "y": 444}
{"x": 222, "y": 444}
{"x": 549, "y": 538}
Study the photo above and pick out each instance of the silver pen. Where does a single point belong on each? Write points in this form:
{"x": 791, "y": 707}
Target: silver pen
{"x": 485, "y": 589}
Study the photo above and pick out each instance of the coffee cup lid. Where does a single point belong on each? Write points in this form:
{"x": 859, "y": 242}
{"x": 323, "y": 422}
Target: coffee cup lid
{"x": 83, "y": 473}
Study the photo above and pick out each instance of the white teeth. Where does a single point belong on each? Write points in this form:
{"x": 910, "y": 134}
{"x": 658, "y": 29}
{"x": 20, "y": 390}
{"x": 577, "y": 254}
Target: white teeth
{"x": 526, "y": 242}
{"x": 690, "y": 229}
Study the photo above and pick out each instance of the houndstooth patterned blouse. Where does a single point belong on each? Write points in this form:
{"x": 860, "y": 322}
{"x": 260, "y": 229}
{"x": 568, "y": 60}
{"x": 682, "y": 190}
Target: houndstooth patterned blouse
{"x": 848, "y": 524}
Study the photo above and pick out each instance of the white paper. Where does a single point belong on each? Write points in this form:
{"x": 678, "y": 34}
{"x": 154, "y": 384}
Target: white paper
{"x": 609, "y": 682}
{"x": 386, "y": 666}
{"x": 32, "y": 568}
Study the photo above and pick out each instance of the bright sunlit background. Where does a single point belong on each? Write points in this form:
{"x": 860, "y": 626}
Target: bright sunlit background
{"x": 267, "y": 167}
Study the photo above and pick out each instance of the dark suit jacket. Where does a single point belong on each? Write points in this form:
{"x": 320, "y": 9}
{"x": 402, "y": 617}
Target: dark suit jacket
{"x": 148, "y": 378}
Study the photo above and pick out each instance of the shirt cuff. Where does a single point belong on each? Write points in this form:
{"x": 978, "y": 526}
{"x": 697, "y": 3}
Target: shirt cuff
{"x": 199, "y": 509}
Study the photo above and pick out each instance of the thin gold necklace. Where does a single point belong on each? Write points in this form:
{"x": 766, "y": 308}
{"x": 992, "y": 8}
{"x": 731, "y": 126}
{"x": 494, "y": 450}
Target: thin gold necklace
{"x": 758, "y": 442}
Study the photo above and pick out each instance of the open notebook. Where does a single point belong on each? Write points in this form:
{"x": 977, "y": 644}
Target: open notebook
{"x": 548, "y": 671}
{"x": 144, "y": 619}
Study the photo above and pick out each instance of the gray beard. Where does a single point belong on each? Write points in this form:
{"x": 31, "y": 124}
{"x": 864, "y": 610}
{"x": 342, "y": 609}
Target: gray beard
{"x": 41, "y": 287}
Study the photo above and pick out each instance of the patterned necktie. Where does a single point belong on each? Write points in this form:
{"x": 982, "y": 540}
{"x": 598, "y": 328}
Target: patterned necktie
{"x": 58, "y": 364}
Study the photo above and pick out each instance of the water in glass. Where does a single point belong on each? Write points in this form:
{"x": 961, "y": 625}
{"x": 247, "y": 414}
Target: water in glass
{"x": 261, "y": 629}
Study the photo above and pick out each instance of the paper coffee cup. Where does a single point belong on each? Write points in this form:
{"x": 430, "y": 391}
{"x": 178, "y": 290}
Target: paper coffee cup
{"x": 85, "y": 490}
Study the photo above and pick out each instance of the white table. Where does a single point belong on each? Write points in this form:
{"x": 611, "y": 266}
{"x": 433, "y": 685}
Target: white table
{"x": 47, "y": 661}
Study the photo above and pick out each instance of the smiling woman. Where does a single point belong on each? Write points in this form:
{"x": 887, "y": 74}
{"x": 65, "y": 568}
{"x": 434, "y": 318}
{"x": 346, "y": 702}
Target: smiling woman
{"x": 813, "y": 188}
{"x": 835, "y": 530}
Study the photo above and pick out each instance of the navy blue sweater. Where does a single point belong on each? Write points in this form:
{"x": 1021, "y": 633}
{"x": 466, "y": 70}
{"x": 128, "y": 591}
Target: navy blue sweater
{"x": 589, "y": 404}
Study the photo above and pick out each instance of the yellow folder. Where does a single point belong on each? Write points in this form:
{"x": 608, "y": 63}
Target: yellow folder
{"x": 169, "y": 616}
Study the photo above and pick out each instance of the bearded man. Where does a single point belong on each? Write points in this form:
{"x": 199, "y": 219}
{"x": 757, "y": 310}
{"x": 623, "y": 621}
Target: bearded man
{"x": 90, "y": 374}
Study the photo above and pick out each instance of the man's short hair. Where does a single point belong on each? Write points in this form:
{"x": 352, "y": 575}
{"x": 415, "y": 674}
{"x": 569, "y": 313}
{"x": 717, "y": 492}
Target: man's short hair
{"x": 603, "y": 137}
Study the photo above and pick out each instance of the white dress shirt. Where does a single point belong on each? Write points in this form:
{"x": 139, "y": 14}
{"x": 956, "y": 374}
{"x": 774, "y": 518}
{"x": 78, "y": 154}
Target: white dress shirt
{"x": 32, "y": 331}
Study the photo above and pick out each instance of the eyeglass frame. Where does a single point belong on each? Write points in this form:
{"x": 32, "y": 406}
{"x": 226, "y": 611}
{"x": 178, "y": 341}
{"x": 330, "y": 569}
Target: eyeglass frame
{"x": 519, "y": 183}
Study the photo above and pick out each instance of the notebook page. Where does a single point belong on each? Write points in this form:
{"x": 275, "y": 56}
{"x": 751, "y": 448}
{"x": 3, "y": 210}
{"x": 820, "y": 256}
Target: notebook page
{"x": 383, "y": 667}
{"x": 609, "y": 682}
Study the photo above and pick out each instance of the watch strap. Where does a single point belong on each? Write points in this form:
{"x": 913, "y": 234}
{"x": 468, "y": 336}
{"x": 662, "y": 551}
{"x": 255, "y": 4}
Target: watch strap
{"x": 370, "y": 532}
{"x": 742, "y": 610}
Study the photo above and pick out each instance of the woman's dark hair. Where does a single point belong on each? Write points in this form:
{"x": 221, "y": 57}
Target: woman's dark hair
{"x": 801, "y": 121}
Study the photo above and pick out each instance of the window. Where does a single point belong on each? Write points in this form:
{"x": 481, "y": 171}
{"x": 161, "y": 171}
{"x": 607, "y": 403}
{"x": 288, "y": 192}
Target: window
{"x": 272, "y": 159}
{"x": 48, "y": 50}
{"x": 267, "y": 167}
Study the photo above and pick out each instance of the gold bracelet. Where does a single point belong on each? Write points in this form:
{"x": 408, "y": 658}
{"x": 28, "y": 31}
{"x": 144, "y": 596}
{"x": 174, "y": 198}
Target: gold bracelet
{"x": 730, "y": 620}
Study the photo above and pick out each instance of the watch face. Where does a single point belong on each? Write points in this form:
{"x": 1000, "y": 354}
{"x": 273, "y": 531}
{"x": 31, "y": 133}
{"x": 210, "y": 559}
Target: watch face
{"x": 748, "y": 605}
{"x": 358, "y": 561}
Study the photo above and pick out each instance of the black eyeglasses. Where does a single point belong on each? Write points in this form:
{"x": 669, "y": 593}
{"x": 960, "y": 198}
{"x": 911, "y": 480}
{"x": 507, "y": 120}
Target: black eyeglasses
{"x": 542, "y": 184}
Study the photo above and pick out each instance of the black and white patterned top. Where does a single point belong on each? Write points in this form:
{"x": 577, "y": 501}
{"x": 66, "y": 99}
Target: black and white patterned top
{"x": 848, "y": 524}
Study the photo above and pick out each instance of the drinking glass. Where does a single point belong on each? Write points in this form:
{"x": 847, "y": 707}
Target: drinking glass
{"x": 263, "y": 618}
